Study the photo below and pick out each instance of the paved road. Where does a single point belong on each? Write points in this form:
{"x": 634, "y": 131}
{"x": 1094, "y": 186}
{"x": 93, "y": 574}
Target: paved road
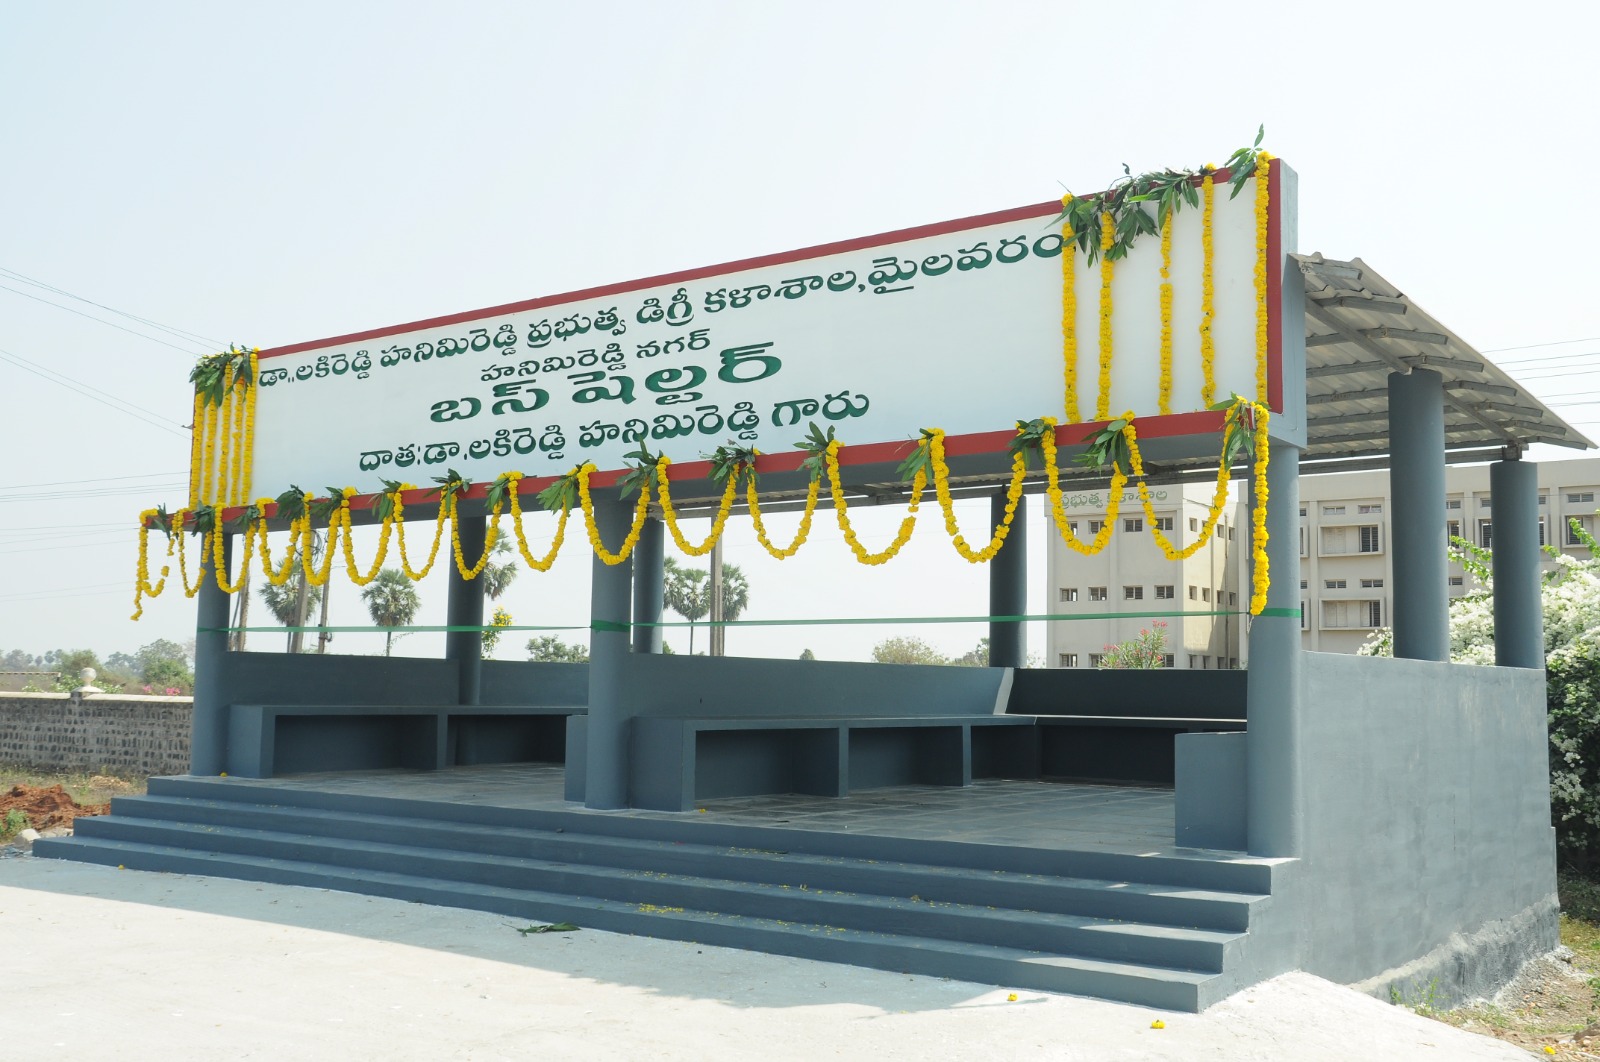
{"x": 131, "y": 965}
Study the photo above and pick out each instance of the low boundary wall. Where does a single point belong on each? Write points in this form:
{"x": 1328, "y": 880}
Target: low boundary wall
{"x": 131, "y": 735}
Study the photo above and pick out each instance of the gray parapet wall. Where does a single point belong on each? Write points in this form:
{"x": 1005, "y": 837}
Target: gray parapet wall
{"x": 1429, "y": 854}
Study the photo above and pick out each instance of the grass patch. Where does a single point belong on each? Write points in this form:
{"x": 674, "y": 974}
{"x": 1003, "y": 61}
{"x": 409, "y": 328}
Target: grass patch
{"x": 86, "y": 787}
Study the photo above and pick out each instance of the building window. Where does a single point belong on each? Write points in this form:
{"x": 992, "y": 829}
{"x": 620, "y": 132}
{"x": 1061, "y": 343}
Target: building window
{"x": 1068, "y": 659}
{"x": 1541, "y": 530}
{"x": 1194, "y": 525}
{"x": 1585, "y": 525}
{"x": 1453, "y": 503}
{"x": 1372, "y": 510}
{"x": 1221, "y": 530}
{"x": 1544, "y": 499}
{"x": 1072, "y": 525}
{"x": 1133, "y": 593}
{"x": 1483, "y": 501}
{"x": 1347, "y": 615}
{"x": 1371, "y": 584}
{"x": 1581, "y": 497}
{"x": 1194, "y": 662}
{"x": 1303, "y": 584}
{"x": 1365, "y": 538}
{"x": 1162, "y": 523}
{"x": 1370, "y": 540}
{"x": 1097, "y": 593}
{"x": 1069, "y": 593}
{"x": 1205, "y": 593}
{"x": 1302, "y": 510}
{"x": 1233, "y": 663}
{"x": 1453, "y": 527}
{"x": 1456, "y": 580}
{"x": 1333, "y": 510}
{"x": 1133, "y": 525}
{"x": 1205, "y": 663}
{"x": 1305, "y": 624}
{"x": 1166, "y": 593}
{"x": 1233, "y": 598}
{"x": 1333, "y": 584}
{"x": 1194, "y": 592}
{"x": 1095, "y": 526}
{"x": 1485, "y": 533}
{"x": 1302, "y": 540}
{"x": 1095, "y": 658}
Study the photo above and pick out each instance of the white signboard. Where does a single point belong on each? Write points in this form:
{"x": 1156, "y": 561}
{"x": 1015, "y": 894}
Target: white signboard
{"x": 955, "y": 326}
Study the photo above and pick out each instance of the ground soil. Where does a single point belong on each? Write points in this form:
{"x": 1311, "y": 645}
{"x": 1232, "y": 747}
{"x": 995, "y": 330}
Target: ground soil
{"x": 46, "y": 806}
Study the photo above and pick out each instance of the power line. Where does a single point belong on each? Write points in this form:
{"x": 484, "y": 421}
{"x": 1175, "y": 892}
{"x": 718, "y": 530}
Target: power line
{"x": 102, "y": 320}
{"x": 93, "y": 393}
{"x": 163, "y": 476}
{"x": 1554, "y": 343}
{"x": 180, "y": 333}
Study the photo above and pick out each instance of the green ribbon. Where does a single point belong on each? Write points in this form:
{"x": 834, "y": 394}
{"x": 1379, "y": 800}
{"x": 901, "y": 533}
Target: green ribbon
{"x": 614, "y": 626}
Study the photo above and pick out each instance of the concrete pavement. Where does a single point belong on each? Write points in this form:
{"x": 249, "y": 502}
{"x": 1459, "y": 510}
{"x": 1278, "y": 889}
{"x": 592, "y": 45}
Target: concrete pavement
{"x": 132, "y": 965}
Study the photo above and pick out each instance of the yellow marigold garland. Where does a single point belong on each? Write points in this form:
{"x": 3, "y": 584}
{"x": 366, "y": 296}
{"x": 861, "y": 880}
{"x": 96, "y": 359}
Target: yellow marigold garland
{"x": 141, "y": 575}
{"x": 1208, "y": 295}
{"x": 541, "y": 564}
{"x": 1107, "y": 272}
{"x": 190, "y": 587}
{"x": 804, "y": 532}
{"x": 208, "y": 450}
{"x": 670, "y": 517}
{"x": 1219, "y": 502}
{"x": 197, "y": 432}
{"x": 297, "y": 528}
{"x": 907, "y": 525}
{"x": 351, "y": 568}
{"x": 433, "y": 550}
{"x": 641, "y": 512}
{"x": 1260, "y": 576}
{"x": 489, "y": 537}
{"x": 1119, "y": 480}
{"x": 315, "y": 577}
{"x": 1165, "y": 397}
{"x": 1263, "y": 192}
{"x": 941, "y": 487}
{"x": 1069, "y": 317}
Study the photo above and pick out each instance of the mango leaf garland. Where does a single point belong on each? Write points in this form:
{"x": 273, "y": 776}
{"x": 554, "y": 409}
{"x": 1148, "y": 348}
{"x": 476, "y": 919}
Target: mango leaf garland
{"x": 1108, "y": 447}
{"x": 291, "y": 504}
{"x": 499, "y": 495}
{"x": 815, "y": 446}
{"x": 562, "y": 495}
{"x": 324, "y": 508}
{"x": 1029, "y": 440}
{"x": 921, "y": 459}
{"x": 211, "y": 373}
{"x": 384, "y": 506}
{"x": 641, "y": 473}
{"x": 1238, "y": 432}
{"x": 733, "y": 460}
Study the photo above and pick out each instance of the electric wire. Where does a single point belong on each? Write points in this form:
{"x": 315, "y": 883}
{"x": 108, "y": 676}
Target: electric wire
{"x": 173, "y": 330}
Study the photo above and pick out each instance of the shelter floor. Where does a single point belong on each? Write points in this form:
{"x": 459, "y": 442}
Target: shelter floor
{"x": 1026, "y": 814}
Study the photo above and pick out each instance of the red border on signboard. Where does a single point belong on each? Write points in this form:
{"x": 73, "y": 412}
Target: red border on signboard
{"x": 1152, "y": 427}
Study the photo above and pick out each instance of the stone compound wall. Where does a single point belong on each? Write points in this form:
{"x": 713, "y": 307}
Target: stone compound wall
{"x": 133, "y": 735}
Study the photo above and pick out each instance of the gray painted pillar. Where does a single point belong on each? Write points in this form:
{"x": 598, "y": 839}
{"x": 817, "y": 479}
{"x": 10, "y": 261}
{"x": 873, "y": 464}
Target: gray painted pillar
{"x": 1419, "y": 539}
{"x": 1518, "y": 574}
{"x": 208, "y": 732}
{"x": 649, "y": 586}
{"x": 1008, "y": 587}
{"x": 1274, "y": 817}
{"x": 464, "y": 608}
{"x": 606, "y": 771}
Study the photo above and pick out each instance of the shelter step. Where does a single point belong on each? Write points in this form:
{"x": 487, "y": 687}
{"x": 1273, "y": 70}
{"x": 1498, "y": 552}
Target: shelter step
{"x": 1067, "y": 933}
{"x": 1150, "y": 985}
{"x": 1130, "y": 901}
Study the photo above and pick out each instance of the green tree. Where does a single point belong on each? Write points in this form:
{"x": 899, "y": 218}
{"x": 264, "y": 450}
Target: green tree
{"x": 550, "y": 649}
{"x": 1147, "y": 649}
{"x": 907, "y": 650}
{"x": 687, "y": 591}
{"x": 807, "y": 654}
{"x": 491, "y": 637}
{"x": 283, "y": 601}
{"x": 977, "y": 657}
{"x": 392, "y": 602}
{"x": 498, "y": 575}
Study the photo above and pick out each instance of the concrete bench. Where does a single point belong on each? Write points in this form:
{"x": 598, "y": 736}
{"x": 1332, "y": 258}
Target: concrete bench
{"x": 1134, "y": 748}
{"x": 266, "y": 740}
{"x": 679, "y": 762}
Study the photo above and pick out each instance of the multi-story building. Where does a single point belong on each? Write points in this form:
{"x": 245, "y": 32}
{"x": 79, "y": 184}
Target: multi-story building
{"x": 1346, "y": 568}
{"x": 1117, "y": 591}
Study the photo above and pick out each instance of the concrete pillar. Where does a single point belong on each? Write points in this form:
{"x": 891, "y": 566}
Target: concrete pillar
{"x": 1419, "y": 539}
{"x": 464, "y": 608}
{"x": 1274, "y": 816}
{"x": 208, "y": 733}
{"x": 1518, "y": 616}
{"x": 1008, "y": 587}
{"x": 611, "y": 588}
{"x": 649, "y": 587}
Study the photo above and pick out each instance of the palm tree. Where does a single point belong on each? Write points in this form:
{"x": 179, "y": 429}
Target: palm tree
{"x": 284, "y": 602}
{"x": 687, "y": 591}
{"x": 497, "y": 577}
{"x": 392, "y": 602}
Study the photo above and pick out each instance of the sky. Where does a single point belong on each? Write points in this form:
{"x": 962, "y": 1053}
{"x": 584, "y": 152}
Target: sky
{"x": 268, "y": 174}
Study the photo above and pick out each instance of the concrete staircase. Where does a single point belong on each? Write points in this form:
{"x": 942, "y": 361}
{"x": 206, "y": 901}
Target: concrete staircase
{"x": 1167, "y": 931}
